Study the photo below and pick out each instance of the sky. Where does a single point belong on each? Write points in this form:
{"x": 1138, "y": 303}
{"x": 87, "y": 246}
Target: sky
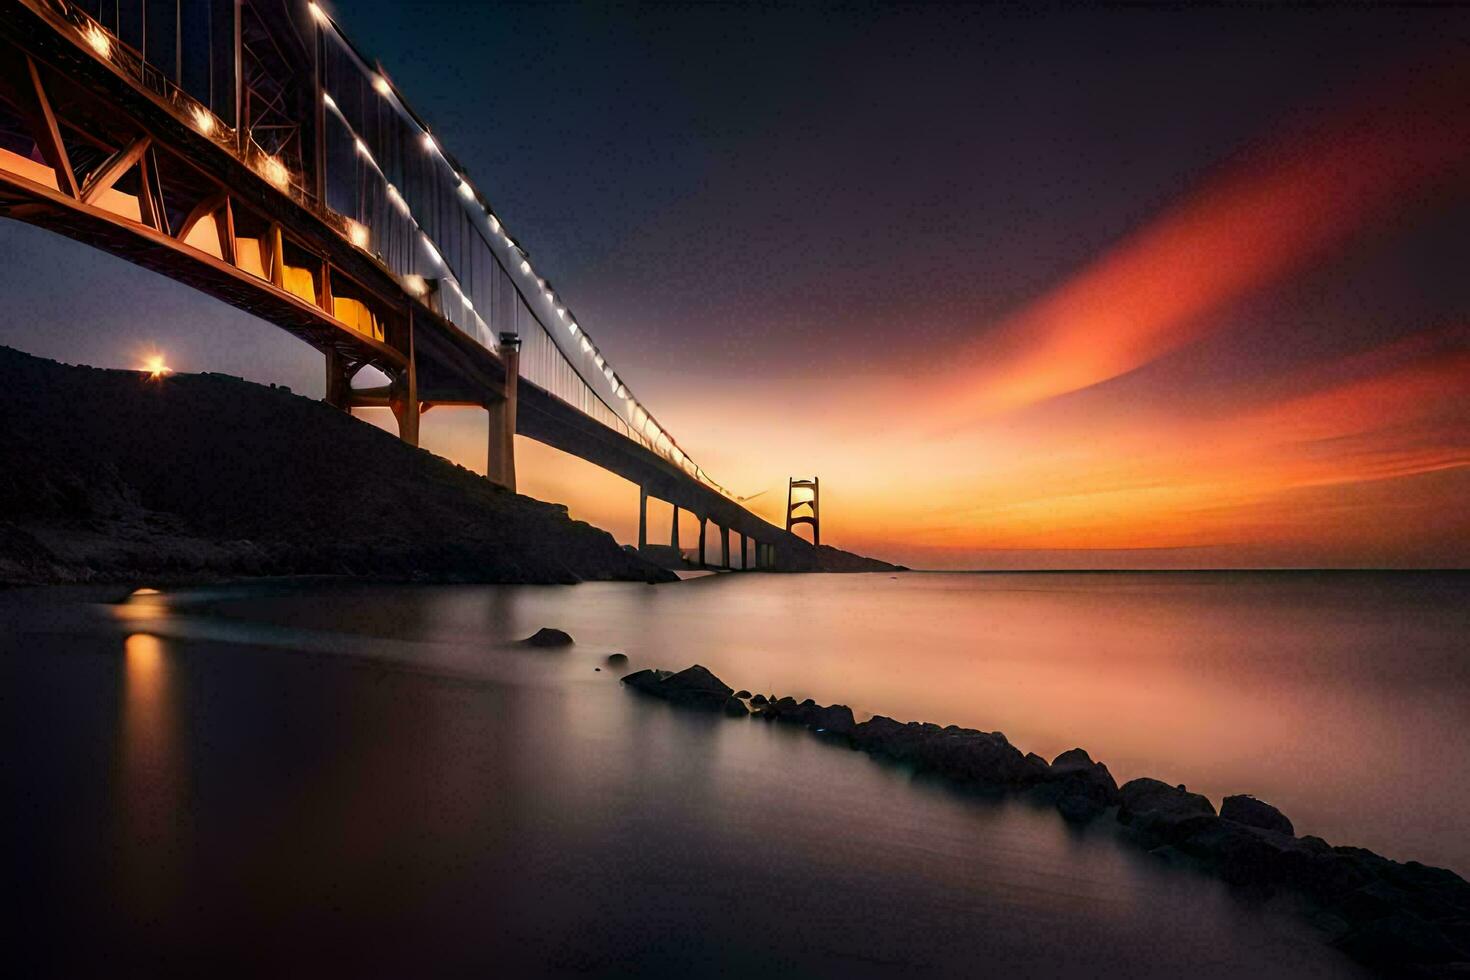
{"x": 1134, "y": 287}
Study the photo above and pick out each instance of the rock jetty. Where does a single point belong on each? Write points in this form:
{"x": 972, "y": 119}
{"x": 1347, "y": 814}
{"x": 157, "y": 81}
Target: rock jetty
{"x": 1406, "y": 919}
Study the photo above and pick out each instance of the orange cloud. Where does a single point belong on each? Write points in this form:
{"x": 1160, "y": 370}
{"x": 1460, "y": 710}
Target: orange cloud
{"x": 1280, "y": 205}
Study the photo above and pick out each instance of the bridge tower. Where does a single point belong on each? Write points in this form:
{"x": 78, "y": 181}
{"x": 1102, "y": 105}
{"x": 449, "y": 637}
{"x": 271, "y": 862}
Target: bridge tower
{"x": 500, "y": 459}
{"x": 814, "y": 518}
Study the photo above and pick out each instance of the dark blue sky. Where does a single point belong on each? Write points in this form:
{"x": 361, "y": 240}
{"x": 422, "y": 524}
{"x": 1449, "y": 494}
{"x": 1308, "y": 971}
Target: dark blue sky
{"x": 718, "y": 187}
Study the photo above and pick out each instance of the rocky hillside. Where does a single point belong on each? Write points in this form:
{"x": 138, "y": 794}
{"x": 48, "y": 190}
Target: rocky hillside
{"x": 106, "y": 476}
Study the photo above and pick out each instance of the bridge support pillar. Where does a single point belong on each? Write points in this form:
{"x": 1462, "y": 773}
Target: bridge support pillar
{"x": 403, "y": 399}
{"x": 744, "y": 552}
{"x": 703, "y": 524}
{"x": 500, "y": 459}
{"x": 725, "y": 547}
{"x": 339, "y": 386}
{"x": 642, "y": 519}
{"x": 674, "y": 530}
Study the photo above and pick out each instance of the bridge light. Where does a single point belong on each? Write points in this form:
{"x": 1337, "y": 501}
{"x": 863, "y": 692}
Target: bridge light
{"x": 275, "y": 171}
{"x": 415, "y": 284}
{"x": 319, "y": 15}
{"x": 203, "y": 119}
{"x": 380, "y": 85}
{"x": 597, "y": 359}
{"x": 465, "y": 190}
{"x": 397, "y": 199}
{"x": 494, "y": 223}
{"x": 586, "y": 345}
{"x": 329, "y": 102}
{"x": 361, "y": 147}
{"x": 433, "y": 252}
{"x": 561, "y": 311}
{"x": 357, "y": 233}
{"x": 573, "y": 327}
{"x": 525, "y": 266}
{"x": 622, "y": 390}
{"x": 612, "y": 378}
{"x": 429, "y": 144}
{"x": 98, "y": 41}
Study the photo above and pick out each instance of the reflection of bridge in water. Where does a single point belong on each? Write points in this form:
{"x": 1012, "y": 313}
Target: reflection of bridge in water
{"x": 248, "y": 149}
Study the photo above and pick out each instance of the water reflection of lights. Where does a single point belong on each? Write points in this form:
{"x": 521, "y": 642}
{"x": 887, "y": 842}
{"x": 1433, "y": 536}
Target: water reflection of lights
{"x": 142, "y": 604}
{"x": 151, "y": 771}
{"x": 144, "y": 654}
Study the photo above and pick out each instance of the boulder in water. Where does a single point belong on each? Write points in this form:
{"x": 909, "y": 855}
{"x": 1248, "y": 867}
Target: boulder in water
{"x": 735, "y": 708}
{"x": 1155, "y": 807}
{"x": 959, "y": 753}
{"x": 546, "y": 636}
{"x": 617, "y": 658}
{"x": 1081, "y": 788}
{"x": 693, "y": 687}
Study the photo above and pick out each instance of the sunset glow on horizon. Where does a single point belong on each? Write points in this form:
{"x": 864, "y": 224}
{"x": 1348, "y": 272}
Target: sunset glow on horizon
{"x": 1045, "y": 443}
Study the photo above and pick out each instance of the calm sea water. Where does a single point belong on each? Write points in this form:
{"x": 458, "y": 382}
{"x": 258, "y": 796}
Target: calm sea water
{"x": 302, "y": 776}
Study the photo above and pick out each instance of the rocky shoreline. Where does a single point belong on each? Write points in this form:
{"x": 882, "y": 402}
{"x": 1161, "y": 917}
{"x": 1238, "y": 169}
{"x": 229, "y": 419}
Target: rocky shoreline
{"x": 1396, "y": 918}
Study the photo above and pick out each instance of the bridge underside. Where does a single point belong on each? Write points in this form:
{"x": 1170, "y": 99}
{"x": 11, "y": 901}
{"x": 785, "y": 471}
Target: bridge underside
{"x": 88, "y": 152}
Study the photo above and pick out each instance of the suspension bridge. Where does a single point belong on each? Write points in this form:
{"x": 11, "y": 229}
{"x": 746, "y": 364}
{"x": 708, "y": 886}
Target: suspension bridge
{"x": 249, "y": 149}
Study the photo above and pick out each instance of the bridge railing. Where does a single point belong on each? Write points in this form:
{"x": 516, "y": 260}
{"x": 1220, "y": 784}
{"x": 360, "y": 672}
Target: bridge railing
{"x": 388, "y": 187}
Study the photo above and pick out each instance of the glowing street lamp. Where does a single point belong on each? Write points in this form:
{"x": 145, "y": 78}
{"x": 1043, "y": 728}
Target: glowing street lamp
{"x": 156, "y": 368}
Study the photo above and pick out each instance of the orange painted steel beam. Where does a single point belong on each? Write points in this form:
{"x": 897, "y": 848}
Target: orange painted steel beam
{"x": 152, "y": 249}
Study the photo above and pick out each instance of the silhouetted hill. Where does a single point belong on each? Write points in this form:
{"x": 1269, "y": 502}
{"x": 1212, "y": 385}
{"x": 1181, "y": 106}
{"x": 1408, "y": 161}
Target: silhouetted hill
{"x": 105, "y": 476}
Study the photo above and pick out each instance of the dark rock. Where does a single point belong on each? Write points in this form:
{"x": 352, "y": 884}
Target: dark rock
{"x": 696, "y": 683}
{"x": 742, "y": 693}
{"x": 647, "y": 681}
{"x": 1244, "y": 855}
{"x": 758, "y": 699}
{"x": 617, "y": 658}
{"x": 960, "y": 753}
{"x": 1170, "y": 812}
{"x": 836, "y": 718}
{"x": 548, "y": 637}
{"x": 1255, "y": 813}
{"x": 735, "y": 708}
{"x": 1084, "y": 788}
{"x": 693, "y": 687}
{"x": 1072, "y": 760}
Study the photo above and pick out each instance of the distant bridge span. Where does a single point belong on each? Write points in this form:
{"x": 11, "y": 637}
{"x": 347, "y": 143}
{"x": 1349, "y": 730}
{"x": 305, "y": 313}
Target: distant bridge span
{"x": 246, "y": 148}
